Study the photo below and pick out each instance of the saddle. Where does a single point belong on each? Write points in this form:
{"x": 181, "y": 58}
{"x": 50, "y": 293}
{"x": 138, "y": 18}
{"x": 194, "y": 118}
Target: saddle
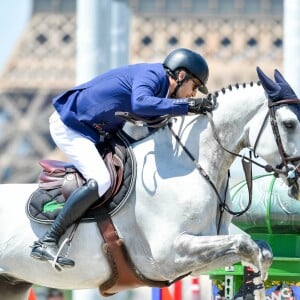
{"x": 59, "y": 179}
{"x": 58, "y": 174}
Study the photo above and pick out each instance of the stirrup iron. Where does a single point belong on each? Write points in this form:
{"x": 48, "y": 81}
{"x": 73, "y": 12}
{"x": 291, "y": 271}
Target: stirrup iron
{"x": 55, "y": 263}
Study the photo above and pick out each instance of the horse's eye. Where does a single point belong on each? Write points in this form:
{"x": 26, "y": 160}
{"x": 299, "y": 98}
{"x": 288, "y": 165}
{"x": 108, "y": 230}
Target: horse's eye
{"x": 289, "y": 124}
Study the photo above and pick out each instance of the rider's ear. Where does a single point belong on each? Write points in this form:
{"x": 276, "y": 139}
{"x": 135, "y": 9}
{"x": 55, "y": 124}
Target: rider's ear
{"x": 271, "y": 87}
{"x": 181, "y": 75}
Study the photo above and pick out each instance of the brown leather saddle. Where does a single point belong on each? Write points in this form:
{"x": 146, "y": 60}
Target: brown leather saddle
{"x": 59, "y": 174}
{"x": 59, "y": 179}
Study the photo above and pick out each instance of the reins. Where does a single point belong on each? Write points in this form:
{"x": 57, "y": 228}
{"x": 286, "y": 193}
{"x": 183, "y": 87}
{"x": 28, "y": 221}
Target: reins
{"x": 223, "y": 206}
{"x": 284, "y": 157}
{"x": 268, "y": 168}
{"x": 196, "y": 163}
{"x": 161, "y": 122}
{"x": 246, "y": 161}
{"x": 156, "y": 122}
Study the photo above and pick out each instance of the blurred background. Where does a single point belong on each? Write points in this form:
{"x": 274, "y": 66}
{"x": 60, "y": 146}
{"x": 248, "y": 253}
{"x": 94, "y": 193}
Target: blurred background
{"x": 48, "y": 46}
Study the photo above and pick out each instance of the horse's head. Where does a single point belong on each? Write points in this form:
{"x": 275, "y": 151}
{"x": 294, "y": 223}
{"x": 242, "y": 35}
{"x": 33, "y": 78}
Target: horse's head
{"x": 284, "y": 114}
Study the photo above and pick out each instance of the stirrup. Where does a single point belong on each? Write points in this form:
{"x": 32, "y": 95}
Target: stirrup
{"x": 57, "y": 262}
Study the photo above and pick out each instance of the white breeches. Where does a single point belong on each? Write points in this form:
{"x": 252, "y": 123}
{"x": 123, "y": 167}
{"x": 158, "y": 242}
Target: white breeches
{"x": 81, "y": 152}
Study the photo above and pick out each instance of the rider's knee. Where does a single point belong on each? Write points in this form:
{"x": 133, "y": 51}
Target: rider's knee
{"x": 92, "y": 184}
{"x": 102, "y": 183}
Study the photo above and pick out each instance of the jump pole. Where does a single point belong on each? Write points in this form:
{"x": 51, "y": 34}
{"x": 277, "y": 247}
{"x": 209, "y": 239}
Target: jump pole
{"x": 32, "y": 295}
{"x": 195, "y": 289}
{"x": 165, "y": 294}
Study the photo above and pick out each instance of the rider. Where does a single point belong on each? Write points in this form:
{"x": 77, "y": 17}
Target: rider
{"x": 84, "y": 112}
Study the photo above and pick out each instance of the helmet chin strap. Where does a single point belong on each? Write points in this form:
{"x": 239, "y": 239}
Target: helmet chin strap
{"x": 179, "y": 82}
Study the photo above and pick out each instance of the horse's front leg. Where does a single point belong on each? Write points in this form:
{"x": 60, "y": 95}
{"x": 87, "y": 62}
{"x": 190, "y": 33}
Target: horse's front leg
{"x": 201, "y": 254}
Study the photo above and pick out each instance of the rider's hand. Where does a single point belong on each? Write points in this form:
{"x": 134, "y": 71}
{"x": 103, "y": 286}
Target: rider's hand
{"x": 201, "y": 105}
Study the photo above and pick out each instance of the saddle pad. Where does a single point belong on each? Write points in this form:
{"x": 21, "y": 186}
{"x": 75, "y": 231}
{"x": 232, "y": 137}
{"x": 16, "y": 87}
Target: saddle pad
{"x": 43, "y": 206}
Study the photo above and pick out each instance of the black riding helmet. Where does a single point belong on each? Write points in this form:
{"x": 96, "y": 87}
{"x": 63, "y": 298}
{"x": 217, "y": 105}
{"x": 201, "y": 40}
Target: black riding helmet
{"x": 193, "y": 62}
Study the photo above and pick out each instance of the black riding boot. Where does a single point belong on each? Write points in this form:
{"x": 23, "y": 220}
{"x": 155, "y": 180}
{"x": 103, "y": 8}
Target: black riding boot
{"x": 80, "y": 200}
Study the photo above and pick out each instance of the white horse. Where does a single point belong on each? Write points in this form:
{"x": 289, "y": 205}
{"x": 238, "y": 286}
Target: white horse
{"x": 171, "y": 224}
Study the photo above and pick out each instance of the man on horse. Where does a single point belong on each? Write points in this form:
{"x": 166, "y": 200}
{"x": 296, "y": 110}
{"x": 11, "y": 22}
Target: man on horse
{"x": 86, "y": 113}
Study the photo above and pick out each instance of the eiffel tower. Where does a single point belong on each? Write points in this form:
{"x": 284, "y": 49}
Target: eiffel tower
{"x": 234, "y": 36}
{"x": 42, "y": 65}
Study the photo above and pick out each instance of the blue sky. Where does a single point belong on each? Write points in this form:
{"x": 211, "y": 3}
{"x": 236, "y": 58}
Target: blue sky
{"x": 14, "y": 16}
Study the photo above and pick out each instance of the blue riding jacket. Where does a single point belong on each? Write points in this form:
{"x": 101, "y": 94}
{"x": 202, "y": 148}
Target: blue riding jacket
{"x": 140, "y": 89}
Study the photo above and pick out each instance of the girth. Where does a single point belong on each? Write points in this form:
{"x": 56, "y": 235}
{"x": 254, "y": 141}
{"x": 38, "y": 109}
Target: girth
{"x": 124, "y": 273}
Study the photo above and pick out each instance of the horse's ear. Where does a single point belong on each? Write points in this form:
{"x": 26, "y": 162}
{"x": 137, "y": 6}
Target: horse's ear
{"x": 279, "y": 77}
{"x": 286, "y": 90}
{"x": 270, "y": 87}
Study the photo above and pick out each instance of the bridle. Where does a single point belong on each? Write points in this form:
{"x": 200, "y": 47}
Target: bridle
{"x": 284, "y": 167}
{"x": 285, "y": 158}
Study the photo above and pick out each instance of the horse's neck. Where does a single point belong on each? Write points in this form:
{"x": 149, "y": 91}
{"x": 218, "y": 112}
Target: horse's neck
{"x": 236, "y": 108}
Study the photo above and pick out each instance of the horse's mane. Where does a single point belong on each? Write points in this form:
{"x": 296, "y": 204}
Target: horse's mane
{"x": 230, "y": 88}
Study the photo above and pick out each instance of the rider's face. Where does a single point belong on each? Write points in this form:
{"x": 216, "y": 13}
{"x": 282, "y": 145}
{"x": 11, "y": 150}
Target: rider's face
{"x": 189, "y": 88}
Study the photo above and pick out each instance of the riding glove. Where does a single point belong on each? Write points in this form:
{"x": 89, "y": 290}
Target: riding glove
{"x": 201, "y": 105}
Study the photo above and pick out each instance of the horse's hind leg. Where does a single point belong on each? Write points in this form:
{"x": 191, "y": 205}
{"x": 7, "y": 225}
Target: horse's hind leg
{"x": 19, "y": 291}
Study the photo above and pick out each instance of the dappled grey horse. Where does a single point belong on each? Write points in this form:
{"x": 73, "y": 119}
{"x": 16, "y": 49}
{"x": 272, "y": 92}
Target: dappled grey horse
{"x": 176, "y": 219}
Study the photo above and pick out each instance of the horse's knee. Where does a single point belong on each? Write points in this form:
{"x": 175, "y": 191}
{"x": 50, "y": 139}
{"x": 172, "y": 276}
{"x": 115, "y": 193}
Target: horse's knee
{"x": 243, "y": 242}
{"x": 257, "y": 254}
{"x": 246, "y": 246}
